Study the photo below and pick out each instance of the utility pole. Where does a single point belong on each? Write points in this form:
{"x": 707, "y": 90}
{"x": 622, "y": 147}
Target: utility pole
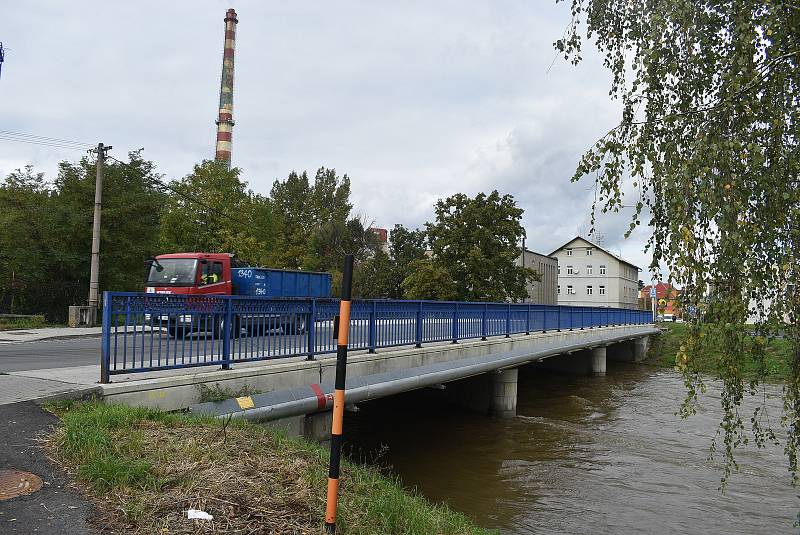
{"x": 94, "y": 274}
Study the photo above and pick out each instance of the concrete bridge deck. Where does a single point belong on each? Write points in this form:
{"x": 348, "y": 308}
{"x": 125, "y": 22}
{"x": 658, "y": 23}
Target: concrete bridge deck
{"x": 295, "y": 387}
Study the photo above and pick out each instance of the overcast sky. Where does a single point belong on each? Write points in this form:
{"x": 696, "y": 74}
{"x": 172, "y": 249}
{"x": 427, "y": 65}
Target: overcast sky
{"x": 415, "y": 101}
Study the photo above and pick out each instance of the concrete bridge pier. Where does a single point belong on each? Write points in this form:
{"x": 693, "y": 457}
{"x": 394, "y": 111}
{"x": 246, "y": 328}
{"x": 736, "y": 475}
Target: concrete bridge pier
{"x": 503, "y": 401}
{"x": 629, "y": 351}
{"x": 598, "y": 362}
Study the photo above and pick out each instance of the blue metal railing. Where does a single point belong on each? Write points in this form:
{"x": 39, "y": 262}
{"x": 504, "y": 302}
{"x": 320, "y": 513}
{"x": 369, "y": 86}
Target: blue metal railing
{"x": 150, "y": 332}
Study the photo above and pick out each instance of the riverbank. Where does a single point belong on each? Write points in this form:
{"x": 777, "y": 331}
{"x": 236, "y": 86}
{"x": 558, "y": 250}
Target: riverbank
{"x": 664, "y": 348}
{"x": 144, "y": 469}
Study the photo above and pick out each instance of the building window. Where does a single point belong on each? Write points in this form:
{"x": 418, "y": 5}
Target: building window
{"x": 602, "y": 290}
{"x": 569, "y": 270}
{"x": 558, "y": 289}
{"x": 570, "y": 290}
{"x": 602, "y": 269}
{"x": 588, "y": 251}
{"x": 569, "y": 252}
{"x": 588, "y": 270}
{"x": 589, "y": 289}
{"x": 559, "y": 269}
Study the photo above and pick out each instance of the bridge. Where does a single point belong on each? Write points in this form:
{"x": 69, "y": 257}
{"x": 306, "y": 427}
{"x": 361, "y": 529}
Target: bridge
{"x": 275, "y": 357}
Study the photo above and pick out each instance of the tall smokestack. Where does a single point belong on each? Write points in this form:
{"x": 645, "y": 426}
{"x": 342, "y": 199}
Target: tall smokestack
{"x": 225, "y": 119}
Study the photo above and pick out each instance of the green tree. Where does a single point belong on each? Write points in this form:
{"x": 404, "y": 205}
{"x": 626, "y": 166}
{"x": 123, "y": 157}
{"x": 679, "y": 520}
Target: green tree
{"x": 429, "y": 280}
{"x": 26, "y": 228}
{"x": 46, "y": 231}
{"x": 129, "y": 196}
{"x": 212, "y": 210}
{"x": 314, "y": 226}
{"x": 373, "y": 277}
{"x": 290, "y": 199}
{"x": 405, "y": 247}
{"x": 708, "y": 142}
{"x": 476, "y": 240}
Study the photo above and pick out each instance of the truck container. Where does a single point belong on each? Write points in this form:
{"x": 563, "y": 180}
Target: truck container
{"x": 280, "y": 283}
{"x": 209, "y": 274}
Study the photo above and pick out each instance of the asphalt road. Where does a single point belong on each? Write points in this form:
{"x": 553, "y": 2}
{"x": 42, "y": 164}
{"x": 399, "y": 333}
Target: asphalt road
{"x": 44, "y": 354}
{"x": 56, "y": 507}
{"x": 84, "y": 351}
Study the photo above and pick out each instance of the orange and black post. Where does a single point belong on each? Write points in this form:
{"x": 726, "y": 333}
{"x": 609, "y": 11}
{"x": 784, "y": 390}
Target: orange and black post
{"x": 343, "y": 328}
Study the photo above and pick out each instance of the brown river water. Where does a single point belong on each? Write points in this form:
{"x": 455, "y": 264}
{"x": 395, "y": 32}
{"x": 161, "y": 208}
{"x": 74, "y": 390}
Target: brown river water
{"x": 600, "y": 455}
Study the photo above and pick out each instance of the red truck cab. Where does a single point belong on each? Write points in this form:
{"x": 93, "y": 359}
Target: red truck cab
{"x": 191, "y": 274}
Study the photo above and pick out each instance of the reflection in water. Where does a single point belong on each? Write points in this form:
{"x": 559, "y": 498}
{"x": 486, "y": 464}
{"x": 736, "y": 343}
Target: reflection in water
{"x": 599, "y": 455}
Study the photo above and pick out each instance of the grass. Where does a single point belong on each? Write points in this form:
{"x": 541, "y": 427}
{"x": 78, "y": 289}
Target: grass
{"x": 777, "y": 360}
{"x": 22, "y": 322}
{"x": 221, "y": 393}
{"x": 145, "y": 468}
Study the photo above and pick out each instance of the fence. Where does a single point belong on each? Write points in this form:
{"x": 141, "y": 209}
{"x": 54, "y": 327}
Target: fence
{"x": 151, "y": 332}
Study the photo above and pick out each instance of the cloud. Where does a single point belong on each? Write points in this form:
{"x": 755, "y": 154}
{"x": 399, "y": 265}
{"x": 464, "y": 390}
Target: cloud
{"x": 413, "y": 100}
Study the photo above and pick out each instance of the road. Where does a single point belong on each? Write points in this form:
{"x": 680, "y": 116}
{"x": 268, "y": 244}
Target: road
{"x": 45, "y": 354}
{"x": 85, "y": 351}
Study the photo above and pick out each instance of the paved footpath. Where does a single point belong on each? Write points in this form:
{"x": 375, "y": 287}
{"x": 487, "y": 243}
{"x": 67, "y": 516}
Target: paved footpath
{"x": 47, "y": 333}
{"x": 56, "y": 508}
{"x": 26, "y": 354}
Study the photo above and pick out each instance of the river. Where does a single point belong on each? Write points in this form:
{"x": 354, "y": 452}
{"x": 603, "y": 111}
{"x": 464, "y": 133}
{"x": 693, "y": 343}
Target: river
{"x": 600, "y": 455}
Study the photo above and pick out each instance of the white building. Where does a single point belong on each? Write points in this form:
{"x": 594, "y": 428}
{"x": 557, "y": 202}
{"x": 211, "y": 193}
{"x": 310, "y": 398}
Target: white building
{"x": 589, "y": 275}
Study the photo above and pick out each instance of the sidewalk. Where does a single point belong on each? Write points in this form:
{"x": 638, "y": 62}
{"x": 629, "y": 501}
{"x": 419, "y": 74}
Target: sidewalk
{"x": 47, "y": 333}
{"x": 55, "y": 508}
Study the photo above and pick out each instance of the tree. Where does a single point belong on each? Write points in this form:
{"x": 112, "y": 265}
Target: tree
{"x": 476, "y": 240}
{"x": 25, "y": 229}
{"x": 212, "y": 210}
{"x": 46, "y": 232}
{"x": 708, "y": 141}
{"x": 314, "y": 226}
{"x": 405, "y": 247}
{"x": 373, "y": 277}
{"x": 429, "y": 280}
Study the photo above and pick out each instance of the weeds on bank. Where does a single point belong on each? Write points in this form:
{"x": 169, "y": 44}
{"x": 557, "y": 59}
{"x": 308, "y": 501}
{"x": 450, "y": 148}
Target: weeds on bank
{"x": 221, "y": 393}
{"x": 776, "y": 363}
{"x": 23, "y": 322}
{"x": 145, "y": 468}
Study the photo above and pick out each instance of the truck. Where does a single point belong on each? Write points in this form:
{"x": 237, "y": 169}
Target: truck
{"x": 210, "y": 274}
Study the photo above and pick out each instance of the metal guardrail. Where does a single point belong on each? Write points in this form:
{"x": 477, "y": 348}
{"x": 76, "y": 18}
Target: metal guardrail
{"x": 150, "y": 332}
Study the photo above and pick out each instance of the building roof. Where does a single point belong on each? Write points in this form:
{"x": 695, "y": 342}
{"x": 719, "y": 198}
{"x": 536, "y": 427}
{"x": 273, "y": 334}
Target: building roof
{"x": 597, "y": 247}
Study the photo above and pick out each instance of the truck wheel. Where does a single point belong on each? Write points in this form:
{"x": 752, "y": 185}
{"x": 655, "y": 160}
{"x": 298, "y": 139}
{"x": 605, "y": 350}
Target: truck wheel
{"x": 294, "y": 325}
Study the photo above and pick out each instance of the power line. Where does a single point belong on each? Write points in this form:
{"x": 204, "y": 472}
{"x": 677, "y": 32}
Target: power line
{"x": 45, "y": 138}
{"x": 53, "y": 145}
{"x": 158, "y": 183}
{"x": 44, "y": 141}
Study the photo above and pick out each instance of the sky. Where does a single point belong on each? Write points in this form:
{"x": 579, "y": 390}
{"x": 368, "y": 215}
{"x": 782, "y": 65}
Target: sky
{"x": 414, "y": 100}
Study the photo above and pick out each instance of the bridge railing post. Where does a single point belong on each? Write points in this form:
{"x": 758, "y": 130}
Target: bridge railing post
{"x": 483, "y": 321}
{"x": 226, "y": 335}
{"x": 373, "y": 327}
{"x": 419, "y": 325}
{"x": 105, "y": 349}
{"x": 312, "y": 330}
{"x": 455, "y": 323}
{"x": 508, "y": 320}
